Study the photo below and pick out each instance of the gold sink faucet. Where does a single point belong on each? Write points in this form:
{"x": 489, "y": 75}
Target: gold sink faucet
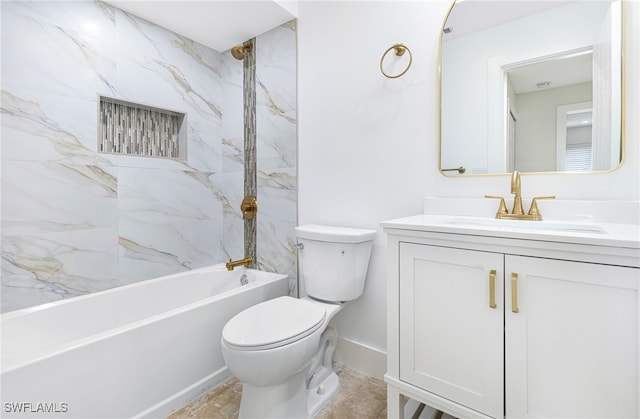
{"x": 518, "y": 212}
{"x": 234, "y": 263}
{"x": 516, "y": 190}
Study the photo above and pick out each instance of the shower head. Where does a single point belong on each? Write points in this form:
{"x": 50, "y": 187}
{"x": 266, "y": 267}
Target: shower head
{"x": 238, "y": 51}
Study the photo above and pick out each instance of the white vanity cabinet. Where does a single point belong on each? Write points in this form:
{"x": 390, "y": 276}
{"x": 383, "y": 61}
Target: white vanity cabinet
{"x": 488, "y": 326}
{"x": 451, "y": 341}
{"x": 571, "y": 339}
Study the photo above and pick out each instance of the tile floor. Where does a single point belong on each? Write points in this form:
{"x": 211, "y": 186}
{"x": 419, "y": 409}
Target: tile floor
{"x": 359, "y": 397}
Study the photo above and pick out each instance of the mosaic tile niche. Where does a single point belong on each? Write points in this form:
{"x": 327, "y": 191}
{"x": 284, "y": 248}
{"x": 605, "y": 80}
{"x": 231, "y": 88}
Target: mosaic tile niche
{"x": 139, "y": 130}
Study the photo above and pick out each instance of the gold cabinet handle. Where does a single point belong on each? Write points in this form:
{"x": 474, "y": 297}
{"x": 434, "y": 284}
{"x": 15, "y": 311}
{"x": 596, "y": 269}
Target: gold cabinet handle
{"x": 492, "y": 289}
{"x": 514, "y": 292}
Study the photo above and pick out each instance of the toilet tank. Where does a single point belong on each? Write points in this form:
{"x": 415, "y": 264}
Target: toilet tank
{"x": 334, "y": 260}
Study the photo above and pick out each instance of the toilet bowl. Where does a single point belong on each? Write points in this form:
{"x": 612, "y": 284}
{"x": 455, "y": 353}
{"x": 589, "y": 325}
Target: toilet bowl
{"x": 282, "y": 349}
{"x": 274, "y": 364}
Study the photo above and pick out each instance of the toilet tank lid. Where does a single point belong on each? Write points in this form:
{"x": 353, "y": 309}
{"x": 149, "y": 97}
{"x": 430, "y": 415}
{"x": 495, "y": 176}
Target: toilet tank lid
{"x": 334, "y": 233}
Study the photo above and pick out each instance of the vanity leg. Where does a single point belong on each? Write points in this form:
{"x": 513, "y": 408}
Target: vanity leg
{"x": 395, "y": 403}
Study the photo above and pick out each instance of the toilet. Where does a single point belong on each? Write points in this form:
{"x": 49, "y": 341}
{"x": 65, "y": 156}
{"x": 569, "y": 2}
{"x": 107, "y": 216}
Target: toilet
{"x": 282, "y": 349}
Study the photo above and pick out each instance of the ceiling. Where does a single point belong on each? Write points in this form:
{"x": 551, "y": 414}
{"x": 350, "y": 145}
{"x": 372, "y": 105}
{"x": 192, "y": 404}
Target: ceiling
{"x": 471, "y": 16}
{"x": 572, "y": 68}
{"x": 218, "y": 24}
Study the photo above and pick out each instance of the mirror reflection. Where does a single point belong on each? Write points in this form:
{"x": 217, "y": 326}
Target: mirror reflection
{"x": 531, "y": 86}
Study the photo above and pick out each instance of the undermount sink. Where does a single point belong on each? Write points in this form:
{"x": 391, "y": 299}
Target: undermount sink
{"x": 525, "y": 225}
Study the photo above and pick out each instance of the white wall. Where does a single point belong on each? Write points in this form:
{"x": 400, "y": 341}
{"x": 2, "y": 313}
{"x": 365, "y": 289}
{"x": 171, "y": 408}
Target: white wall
{"x": 368, "y": 145}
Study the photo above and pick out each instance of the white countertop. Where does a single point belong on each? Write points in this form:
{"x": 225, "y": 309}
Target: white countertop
{"x": 584, "y": 233}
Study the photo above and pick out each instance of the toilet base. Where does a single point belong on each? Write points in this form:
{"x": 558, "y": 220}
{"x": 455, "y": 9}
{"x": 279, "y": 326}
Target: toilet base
{"x": 290, "y": 399}
{"x": 284, "y": 400}
{"x": 318, "y": 396}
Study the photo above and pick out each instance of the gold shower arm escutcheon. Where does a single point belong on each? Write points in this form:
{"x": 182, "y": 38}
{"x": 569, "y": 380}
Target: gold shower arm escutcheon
{"x": 239, "y": 50}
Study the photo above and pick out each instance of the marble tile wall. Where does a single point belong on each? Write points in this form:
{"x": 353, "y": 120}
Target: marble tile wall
{"x": 75, "y": 221}
{"x": 276, "y": 111}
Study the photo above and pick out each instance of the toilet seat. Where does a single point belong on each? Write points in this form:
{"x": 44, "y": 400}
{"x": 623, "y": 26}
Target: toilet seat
{"x": 273, "y": 323}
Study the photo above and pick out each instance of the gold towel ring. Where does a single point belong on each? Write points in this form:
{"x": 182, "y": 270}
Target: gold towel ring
{"x": 400, "y": 49}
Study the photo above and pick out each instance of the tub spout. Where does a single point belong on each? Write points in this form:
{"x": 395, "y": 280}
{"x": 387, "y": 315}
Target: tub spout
{"x": 234, "y": 263}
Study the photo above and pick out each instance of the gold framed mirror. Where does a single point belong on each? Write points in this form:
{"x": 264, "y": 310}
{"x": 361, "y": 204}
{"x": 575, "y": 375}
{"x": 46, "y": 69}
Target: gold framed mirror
{"x": 532, "y": 86}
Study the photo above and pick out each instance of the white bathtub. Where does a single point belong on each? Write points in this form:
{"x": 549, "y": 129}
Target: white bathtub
{"x": 142, "y": 350}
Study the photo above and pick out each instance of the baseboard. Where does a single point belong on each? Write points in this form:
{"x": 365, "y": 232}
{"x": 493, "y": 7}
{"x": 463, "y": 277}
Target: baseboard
{"x": 187, "y": 395}
{"x": 365, "y": 359}
{"x": 360, "y": 357}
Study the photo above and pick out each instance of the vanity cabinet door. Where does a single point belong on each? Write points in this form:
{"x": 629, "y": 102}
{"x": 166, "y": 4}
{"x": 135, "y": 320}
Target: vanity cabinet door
{"x": 451, "y": 335}
{"x": 572, "y": 347}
